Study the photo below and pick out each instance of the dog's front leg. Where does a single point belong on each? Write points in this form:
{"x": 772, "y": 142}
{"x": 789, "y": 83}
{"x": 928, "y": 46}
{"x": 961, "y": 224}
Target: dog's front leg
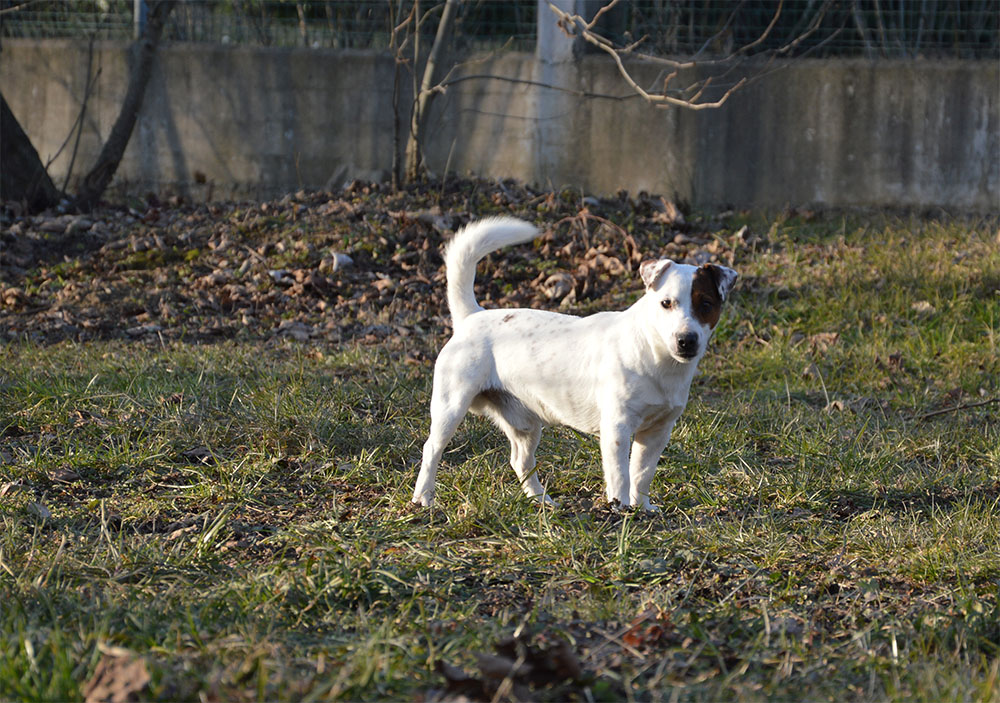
{"x": 616, "y": 434}
{"x": 646, "y": 451}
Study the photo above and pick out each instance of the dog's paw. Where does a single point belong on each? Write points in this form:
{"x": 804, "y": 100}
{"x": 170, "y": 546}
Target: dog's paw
{"x": 423, "y": 500}
{"x": 545, "y": 499}
{"x": 645, "y": 506}
{"x": 618, "y": 507}
{"x": 415, "y": 513}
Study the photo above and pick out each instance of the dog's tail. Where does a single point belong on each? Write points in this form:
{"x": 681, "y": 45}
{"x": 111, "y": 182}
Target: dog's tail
{"x": 467, "y": 247}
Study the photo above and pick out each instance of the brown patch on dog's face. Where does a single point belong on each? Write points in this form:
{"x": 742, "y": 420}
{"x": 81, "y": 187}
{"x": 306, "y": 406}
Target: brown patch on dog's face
{"x": 706, "y": 303}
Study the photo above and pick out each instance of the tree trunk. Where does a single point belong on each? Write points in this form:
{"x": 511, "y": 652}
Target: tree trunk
{"x": 23, "y": 177}
{"x": 422, "y": 100}
{"x": 95, "y": 182}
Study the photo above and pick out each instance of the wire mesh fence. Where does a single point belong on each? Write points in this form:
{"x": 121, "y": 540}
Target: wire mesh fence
{"x": 870, "y": 28}
{"x": 691, "y": 28}
{"x": 363, "y": 24}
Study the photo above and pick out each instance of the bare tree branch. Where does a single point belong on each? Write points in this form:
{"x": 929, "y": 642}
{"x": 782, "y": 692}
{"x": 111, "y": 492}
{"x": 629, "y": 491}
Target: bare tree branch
{"x": 447, "y": 82}
{"x": 597, "y": 15}
{"x": 78, "y": 125}
{"x": 426, "y": 92}
{"x": 690, "y": 97}
{"x": 397, "y": 48}
{"x": 15, "y": 8}
{"x": 583, "y": 29}
{"x": 767, "y": 31}
{"x": 97, "y": 180}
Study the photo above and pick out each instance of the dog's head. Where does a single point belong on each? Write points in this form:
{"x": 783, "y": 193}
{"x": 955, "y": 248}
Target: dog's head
{"x": 683, "y": 304}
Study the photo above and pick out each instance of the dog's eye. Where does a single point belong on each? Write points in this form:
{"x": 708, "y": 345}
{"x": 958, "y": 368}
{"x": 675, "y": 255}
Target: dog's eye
{"x": 667, "y": 303}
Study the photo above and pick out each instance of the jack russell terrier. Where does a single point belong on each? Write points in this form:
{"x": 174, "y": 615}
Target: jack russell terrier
{"x": 623, "y": 375}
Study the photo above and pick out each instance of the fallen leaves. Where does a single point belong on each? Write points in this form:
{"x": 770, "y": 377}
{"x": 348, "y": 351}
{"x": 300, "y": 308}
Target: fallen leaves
{"x": 119, "y": 678}
{"x": 39, "y": 511}
{"x": 12, "y": 298}
{"x": 648, "y": 629}
{"x": 558, "y": 285}
{"x": 361, "y": 263}
{"x": 857, "y": 405}
{"x": 518, "y": 671}
{"x": 821, "y": 343}
{"x": 197, "y": 455}
{"x": 64, "y": 475}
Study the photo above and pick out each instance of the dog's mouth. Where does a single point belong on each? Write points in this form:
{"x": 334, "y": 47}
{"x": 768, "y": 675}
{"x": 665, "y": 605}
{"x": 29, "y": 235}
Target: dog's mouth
{"x": 685, "y": 356}
{"x": 686, "y": 348}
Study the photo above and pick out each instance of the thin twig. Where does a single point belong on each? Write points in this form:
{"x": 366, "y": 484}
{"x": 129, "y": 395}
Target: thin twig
{"x": 575, "y": 25}
{"x": 967, "y": 406}
{"x": 538, "y": 84}
{"x": 79, "y": 119}
{"x": 762, "y": 37}
{"x": 15, "y": 8}
{"x": 615, "y": 54}
{"x": 470, "y": 62}
{"x": 817, "y": 20}
{"x": 597, "y": 16}
{"x": 83, "y": 110}
{"x": 718, "y": 34}
{"x": 615, "y": 638}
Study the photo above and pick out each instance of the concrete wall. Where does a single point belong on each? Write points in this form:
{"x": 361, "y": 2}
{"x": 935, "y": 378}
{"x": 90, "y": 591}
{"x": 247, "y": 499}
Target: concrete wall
{"x": 247, "y": 122}
{"x": 232, "y": 122}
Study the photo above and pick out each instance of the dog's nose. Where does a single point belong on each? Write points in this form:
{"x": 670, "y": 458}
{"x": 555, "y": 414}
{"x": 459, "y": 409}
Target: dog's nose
{"x": 687, "y": 344}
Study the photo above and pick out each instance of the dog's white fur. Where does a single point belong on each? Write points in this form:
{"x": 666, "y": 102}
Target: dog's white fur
{"x": 622, "y": 375}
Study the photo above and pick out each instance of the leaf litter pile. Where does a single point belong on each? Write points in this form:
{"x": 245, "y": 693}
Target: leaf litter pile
{"x": 363, "y": 264}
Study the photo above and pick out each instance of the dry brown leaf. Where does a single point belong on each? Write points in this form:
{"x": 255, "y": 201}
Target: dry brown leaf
{"x": 648, "y": 629}
{"x": 39, "y": 511}
{"x": 64, "y": 475}
{"x": 117, "y": 679}
{"x": 822, "y": 341}
{"x": 558, "y": 285}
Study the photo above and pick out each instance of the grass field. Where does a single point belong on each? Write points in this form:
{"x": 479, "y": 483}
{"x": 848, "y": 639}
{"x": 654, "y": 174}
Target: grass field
{"x": 230, "y": 520}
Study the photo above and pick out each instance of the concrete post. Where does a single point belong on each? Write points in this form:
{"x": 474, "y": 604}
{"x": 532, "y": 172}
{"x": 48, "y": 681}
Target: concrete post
{"x": 556, "y": 66}
{"x": 553, "y": 46}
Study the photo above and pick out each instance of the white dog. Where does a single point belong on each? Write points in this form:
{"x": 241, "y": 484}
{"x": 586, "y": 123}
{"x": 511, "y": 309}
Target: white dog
{"x": 622, "y": 375}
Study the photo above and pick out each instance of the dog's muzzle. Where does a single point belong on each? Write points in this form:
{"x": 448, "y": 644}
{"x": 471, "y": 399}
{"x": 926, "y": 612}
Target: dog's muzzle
{"x": 687, "y": 345}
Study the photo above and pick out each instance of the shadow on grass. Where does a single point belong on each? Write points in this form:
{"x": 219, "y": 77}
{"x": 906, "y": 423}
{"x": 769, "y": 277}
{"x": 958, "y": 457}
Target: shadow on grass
{"x": 847, "y": 504}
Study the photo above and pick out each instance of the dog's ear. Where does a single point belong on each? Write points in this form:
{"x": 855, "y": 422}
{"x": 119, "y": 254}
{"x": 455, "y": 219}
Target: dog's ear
{"x": 652, "y": 269}
{"x": 725, "y": 279}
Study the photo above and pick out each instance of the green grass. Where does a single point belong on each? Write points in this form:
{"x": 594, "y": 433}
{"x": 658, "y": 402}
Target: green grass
{"x": 237, "y": 514}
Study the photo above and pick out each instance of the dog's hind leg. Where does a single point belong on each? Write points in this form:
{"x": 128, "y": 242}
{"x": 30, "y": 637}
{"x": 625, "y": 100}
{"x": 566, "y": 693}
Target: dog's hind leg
{"x": 523, "y": 429}
{"x": 449, "y": 404}
{"x": 522, "y": 459}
